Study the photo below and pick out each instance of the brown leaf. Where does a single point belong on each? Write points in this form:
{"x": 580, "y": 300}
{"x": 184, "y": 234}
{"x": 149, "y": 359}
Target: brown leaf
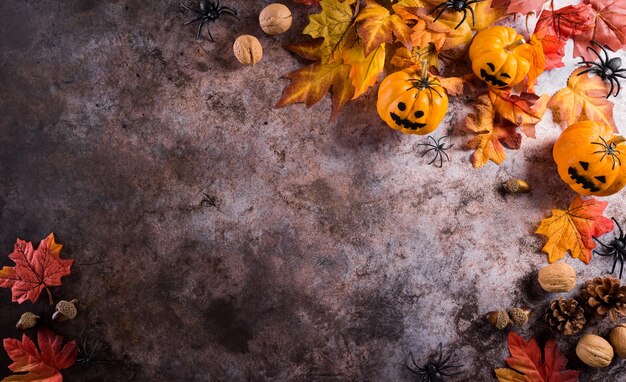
{"x": 378, "y": 25}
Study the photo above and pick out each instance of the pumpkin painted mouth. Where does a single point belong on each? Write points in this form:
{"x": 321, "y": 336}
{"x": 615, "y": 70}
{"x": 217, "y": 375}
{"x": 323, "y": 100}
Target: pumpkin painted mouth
{"x": 584, "y": 182}
{"x": 495, "y": 81}
{"x": 405, "y": 123}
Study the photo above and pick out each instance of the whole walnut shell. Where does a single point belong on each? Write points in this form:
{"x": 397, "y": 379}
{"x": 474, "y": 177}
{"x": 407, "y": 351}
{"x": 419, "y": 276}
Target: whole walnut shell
{"x": 618, "y": 340}
{"x": 557, "y": 277}
{"x": 248, "y": 49}
{"x": 594, "y": 351}
{"x": 275, "y": 19}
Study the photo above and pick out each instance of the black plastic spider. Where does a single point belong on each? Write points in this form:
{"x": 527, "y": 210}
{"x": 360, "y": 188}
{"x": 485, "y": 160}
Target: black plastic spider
{"x": 608, "y": 69}
{"x": 457, "y": 6}
{"x": 439, "y": 148}
{"x": 616, "y": 249}
{"x": 435, "y": 371}
{"x": 608, "y": 148}
{"x": 90, "y": 354}
{"x": 209, "y": 11}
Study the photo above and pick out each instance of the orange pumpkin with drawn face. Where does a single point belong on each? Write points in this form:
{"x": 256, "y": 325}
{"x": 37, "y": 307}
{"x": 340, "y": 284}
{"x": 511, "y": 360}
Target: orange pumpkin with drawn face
{"x": 412, "y": 101}
{"x": 591, "y": 159}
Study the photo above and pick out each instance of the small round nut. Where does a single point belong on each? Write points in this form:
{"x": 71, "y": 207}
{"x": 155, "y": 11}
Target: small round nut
{"x": 248, "y": 49}
{"x": 617, "y": 338}
{"x": 594, "y": 351}
{"x": 275, "y": 19}
{"x": 499, "y": 319}
{"x": 520, "y": 316}
{"x": 27, "y": 321}
{"x": 557, "y": 277}
{"x": 65, "y": 310}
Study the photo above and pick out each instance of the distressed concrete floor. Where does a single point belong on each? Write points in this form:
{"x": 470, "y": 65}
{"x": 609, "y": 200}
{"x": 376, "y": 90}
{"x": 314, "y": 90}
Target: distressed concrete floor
{"x": 218, "y": 239}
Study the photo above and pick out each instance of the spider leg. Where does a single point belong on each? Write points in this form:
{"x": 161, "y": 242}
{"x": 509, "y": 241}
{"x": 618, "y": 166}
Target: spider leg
{"x": 440, "y": 159}
{"x": 444, "y": 5}
{"x": 434, "y": 159}
{"x": 601, "y": 243}
{"x": 603, "y": 64}
{"x": 621, "y": 266}
{"x": 587, "y": 71}
{"x": 464, "y": 17}
{"x": 427, "y": 151}
{"x": 190, "y": 8}
{"x": 200, "y": 29}
{"x": 433, "y": 139}
{"x": 619, "y": 87}
{"x": 442, "y": 11}
{"x": 473, "y": 16}
{"x": 440, "y": 351}
{"x": 447, "y": 157}
{"x": 614, "y": 263}
{"x": 415, "y": 364}
{"x": 473, "y": 2}
{"x": 194, "y": 20}
{"x": 612, "y": 87}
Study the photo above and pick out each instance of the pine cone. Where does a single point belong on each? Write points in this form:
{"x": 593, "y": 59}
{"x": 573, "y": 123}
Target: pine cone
{"x": 605, "y": 295}
{"x": 565, "y": 316}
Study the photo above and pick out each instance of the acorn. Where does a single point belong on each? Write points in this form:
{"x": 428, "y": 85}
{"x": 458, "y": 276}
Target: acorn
{"x": 500, "y": 319}
{"x": 520, "y": 316}
{"x": 65, "y": 310}
{"x": 27, "y": 321}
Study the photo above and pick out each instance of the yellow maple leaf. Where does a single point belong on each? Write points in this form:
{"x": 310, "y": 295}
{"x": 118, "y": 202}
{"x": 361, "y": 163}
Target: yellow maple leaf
{"x": 364, "y": 71}
{"x": 310, "y": 83}
{"x": 583, "y": 99}
{"x": 335, "y": 24}
{"x": 377, "y": 27}
{"x": 490, "y": 134}
{"x": 573, "y": 230}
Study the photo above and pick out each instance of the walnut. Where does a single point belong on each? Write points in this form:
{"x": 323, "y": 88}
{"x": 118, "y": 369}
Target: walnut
{"x": 618, "y": 340}
{"x": 248, "y": 49}
{"x": 557, "y": 277}
{"x": 275, "y": 19}
{"x": 594, "y": 351}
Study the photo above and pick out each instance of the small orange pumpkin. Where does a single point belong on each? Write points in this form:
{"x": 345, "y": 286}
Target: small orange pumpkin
{"x": 591, "y": 159}
{"x": 501, "y": 57}
{"x": 412, "y": 102}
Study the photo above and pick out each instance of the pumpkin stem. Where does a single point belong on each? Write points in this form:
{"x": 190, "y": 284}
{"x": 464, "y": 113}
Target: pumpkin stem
{"x": 616, "y": 140}
{"x": 424, "y": 69}
{"x": 515, "y": 44}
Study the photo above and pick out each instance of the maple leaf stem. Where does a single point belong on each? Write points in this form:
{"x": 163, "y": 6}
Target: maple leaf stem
{"x": 49, "y": 295}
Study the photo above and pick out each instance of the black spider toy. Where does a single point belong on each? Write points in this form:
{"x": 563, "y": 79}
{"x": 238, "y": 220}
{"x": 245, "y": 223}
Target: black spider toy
{"x": 610, "y": 149}
{"x": 435, "y": 371}
{"x": 439, "y": 148}
{"x": 457, "y": 6}
{"x": 608, "y": 69}
{"x": 209, "y": 11}
{"x": 90, "y": 354}
{"x": 616, "y": 249}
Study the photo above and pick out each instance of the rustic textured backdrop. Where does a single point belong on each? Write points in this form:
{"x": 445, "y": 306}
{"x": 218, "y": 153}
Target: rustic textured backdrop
{"x": 216, "y": 238}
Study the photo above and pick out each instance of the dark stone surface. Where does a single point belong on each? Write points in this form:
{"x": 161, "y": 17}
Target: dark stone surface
{"x": 218, "y": 239}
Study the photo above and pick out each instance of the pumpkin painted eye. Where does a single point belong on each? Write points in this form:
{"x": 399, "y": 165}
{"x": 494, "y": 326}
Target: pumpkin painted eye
{"x": 505, "y": 75}
{"x": 402, "y": 106}
{"x": 419, "y": 114}
{"x": 491, "y": 66}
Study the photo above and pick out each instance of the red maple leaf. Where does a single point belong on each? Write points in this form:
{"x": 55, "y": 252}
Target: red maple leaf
{"x": 567, "y": 21}
{"x": 609, "y": 29}
{"x": 40, "y": 366}
{"x": 527, "y": 364}
{"x": 34, "y": 270}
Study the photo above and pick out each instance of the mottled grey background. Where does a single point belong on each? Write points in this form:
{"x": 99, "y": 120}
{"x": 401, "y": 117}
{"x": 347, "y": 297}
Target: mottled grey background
{"x": 218, "y": 239}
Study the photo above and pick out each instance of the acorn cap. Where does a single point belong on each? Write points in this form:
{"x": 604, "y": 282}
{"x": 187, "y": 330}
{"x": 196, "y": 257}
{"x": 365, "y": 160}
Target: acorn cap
{"x": 27, "y": 321}
{"x": 499, "y": 319}
{"x": 65, "y": 310}
{"x": 520, "y": 315}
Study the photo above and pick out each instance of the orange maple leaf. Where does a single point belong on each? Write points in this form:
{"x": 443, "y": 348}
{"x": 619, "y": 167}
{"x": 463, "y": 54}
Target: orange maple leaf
{"x": 364, "y": 71}
{"x": 403, "y": 58}
{"x": 582, "y": 100}
{"x": 34, "y": 270}
{"x": 528, "y": 365}
{"x": 39, "y": 366}
{"x": 524, "y": 110}
{"x": 572, "y": 230}
{"x": 377, "y": 27}
{"x": 491, "y": 134}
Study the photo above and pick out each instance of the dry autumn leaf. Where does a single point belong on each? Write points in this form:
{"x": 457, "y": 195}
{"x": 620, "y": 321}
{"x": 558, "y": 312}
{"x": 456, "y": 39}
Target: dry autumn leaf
{"x": 42, "y": 365}
{"x": 609, "y": 29}
{"x": 403, "y": 58}
{"x": 491, "y": 134}
{"x": 572, "y": 230}
{"x": 34, "y": 270}
{"x": 566, "y": 22}
{"x": 524, "y": 110}
{"x": 335, "y": 24}
{"x": 377, "y": 26}
{"x": 527, "y": 364}
{"x": 364, "y": 71}
{"x": 582, "y": 100}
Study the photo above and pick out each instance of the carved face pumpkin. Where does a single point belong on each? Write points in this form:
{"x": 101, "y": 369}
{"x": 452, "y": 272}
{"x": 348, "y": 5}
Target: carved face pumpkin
{"x": 591, "y": 159}
{"x": 500, "y": 56}
{"x": 412, "y": 103}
